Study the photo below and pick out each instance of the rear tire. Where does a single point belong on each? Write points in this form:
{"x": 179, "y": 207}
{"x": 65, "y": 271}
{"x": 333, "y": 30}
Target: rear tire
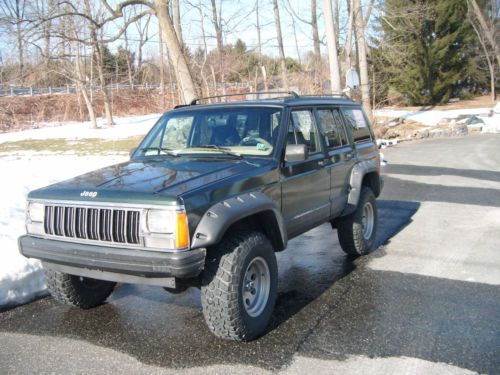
{"x": 239, "y": 286}
{"x": 77, "y": 291}
{"x": 357, "y": 232}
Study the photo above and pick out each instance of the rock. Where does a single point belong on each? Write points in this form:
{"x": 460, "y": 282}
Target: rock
{"x": 422, "y": 133}
{"x": 459, "y": 129}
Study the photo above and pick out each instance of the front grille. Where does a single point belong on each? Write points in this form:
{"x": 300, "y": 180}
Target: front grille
{"x": 89, "y": 223}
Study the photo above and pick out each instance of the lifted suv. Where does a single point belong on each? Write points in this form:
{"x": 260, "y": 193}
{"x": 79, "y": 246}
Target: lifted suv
{"x": 208, "y": 197}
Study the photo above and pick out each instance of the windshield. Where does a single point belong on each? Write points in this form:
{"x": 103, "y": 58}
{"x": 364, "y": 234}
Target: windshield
{"x": 224, "y": 131}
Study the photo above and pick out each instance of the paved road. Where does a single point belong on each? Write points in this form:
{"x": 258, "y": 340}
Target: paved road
{"x": 427, "y": 301}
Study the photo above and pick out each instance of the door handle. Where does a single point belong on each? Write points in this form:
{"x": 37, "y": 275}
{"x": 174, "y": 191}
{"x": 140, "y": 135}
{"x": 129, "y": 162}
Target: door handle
{"x": 348, "y": 156}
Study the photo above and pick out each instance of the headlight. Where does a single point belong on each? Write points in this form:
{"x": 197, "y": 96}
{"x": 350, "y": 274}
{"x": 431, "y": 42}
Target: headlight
{"x": 36, "y": 211}
{"x": 172, "y": 223}
{"x": 161, "y": 221}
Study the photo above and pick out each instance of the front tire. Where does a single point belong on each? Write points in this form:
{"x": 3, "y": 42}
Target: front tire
{"x": 77, "y": 291}
{"x": 357, "y": 232}
{"x": 239, "y": 286}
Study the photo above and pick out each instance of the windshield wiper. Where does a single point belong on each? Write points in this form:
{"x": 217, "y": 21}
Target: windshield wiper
{"x": 224, "y": 150}
{"x": 166, "y": 150}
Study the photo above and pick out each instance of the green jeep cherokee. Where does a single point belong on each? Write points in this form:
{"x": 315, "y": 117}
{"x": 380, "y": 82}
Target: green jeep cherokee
{"x": 207, "y": 198}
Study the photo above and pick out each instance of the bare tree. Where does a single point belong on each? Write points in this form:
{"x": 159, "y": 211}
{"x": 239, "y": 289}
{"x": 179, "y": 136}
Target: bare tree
{"x": 176, "y": 10}
{"x": 175, "y": 51}
{"x": 313, "y": 22}
{"x": 259, "y": 46}
{"x": 485, "y": 36}
{"x": 98, "y": 55}
{"x": 277, "y": 23}
{"x": 488, "y": 26}
{"x": 348, "y": 43}
{"x": 13, "y": 13}
{"x": 331, "y": 39}
{"x": 217, "y": 23}
{"x": 359, "y": 25}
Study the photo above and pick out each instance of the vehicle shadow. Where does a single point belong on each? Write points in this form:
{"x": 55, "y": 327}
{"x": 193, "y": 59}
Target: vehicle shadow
{"x": 168, "y": 330}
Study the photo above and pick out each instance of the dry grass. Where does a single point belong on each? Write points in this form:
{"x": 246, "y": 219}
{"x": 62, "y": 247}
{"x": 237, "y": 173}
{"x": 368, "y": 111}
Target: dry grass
{"x": 22, "y": 112}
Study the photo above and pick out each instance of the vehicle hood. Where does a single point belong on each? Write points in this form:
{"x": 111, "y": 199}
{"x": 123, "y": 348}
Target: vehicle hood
{"x": 141, "y": 181}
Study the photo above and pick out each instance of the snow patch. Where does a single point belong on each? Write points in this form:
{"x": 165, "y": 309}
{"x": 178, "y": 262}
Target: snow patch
{"x": 125, "y": 127}
{"x": 21, "y": 279}
{"x": 430, "y": 117}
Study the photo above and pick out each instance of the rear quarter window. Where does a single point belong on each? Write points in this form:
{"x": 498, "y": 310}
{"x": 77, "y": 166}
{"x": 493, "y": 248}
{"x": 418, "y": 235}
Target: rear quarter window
{"x": 356, "y": 121}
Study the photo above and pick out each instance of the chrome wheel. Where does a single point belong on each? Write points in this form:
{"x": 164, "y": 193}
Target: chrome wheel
{"x": 367, "y": 220}
{"x": 256, "y": 286}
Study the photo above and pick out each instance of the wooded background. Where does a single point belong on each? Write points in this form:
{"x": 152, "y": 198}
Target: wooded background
{"x": 409, "y": 52}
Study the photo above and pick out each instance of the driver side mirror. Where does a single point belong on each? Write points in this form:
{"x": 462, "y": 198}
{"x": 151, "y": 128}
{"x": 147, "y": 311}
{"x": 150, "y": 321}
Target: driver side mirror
{"x": 296, "y": 153}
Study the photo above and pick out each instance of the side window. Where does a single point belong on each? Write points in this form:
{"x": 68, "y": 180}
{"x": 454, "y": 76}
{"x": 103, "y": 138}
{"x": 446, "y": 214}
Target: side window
{"x": 302, "y": 130}
{"x": 356, "y": 120}
{"x": 331, "y": 126}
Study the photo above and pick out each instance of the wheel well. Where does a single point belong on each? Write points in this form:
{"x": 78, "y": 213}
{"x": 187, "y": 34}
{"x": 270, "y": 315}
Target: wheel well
{"x": 264, "y": 222}
{"x": 372, "y": 180}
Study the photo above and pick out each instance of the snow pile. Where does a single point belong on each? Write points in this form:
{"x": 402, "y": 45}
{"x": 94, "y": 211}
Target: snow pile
{"x": 125, "y": 127}
{"x": 21, "y": 279}
{"x": 431, "y": 117}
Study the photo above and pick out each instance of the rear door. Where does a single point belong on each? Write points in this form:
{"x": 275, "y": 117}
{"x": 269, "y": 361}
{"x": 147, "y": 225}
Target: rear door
{"x": 305, "y": 184}
{"x": 340, "y": 154}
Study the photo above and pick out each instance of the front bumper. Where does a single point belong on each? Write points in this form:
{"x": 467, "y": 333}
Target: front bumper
{"x": 139, "y": 263}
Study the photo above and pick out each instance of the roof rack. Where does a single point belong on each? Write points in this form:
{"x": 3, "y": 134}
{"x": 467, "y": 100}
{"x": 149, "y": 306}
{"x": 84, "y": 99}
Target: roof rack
{"x": 290, "y": 93}
{"x": 341, "y": 95}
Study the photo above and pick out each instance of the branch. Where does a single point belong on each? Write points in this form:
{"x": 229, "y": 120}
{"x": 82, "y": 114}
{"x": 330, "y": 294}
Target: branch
{"x": 296, "y": 15}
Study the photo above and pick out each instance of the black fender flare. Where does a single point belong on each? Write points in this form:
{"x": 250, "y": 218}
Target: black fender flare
{"x": 218, "y": 218}
{"x": 358, "y": 172}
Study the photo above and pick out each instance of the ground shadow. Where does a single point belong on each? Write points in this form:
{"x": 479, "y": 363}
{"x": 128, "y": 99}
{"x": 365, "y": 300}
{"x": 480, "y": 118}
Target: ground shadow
{"x": 169, "y": 330}
{"x": 398, "y": 189}
{"x": 419, "y": 170}
{"x": 396, "y": 315}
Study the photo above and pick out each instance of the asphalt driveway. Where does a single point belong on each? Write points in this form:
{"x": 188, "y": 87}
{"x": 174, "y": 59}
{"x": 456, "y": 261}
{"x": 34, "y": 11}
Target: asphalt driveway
{"x": 426, "y": 301}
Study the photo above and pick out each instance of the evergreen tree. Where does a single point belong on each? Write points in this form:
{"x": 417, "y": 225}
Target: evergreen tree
{"x": 425, "y": 51}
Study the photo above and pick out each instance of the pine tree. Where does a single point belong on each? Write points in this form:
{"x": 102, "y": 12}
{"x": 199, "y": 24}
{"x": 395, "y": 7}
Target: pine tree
{"x": 424, "y": 56}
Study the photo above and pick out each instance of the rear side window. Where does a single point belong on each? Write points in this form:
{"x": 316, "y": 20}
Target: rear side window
{"x": 357, "y": 122}
{"x": 331, "y": 127}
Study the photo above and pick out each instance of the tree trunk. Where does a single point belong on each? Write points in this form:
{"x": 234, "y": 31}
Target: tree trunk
{"x": 297, "y": 49}
{"x": 491, "y": 66}
{"x": 20, "y": 49}
{"x": 277, "y": 23}
{"x": 314, "y": 26}
{"x": 80, "y": 82}
{"x": 316, "y": 43}
{"x": 488, "y": 32}
{"x": 129, "y": 63}
{"x": 162, "y": 72}
{"x": 348, "y": 44}
{"x": 363, "y": 61}
{"x": 177, "y": 20}
{"x": 332, "y": 47}
{"x": 105, "y": 94}
{"x": 220, "y": 42}
{"x": 179, "y": 63}
{"x": 264, "y": 77}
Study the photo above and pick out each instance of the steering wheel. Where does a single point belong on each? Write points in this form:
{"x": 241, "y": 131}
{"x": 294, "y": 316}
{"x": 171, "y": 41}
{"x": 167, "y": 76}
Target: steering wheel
{"x": 252, "y": 141}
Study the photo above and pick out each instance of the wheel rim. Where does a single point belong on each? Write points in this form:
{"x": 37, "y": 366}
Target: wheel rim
{"x": 367, "y": 220}
{"x": 256, "y": 286}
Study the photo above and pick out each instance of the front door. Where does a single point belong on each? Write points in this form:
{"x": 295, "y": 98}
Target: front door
{"x": 305, "y": 184}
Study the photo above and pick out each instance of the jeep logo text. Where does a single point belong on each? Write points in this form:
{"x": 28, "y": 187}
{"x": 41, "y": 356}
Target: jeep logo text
{"x": 90, "y": 194}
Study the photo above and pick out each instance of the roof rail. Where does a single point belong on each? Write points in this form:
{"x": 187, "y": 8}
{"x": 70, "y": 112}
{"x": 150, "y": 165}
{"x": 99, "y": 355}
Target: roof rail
{"x": 332, "y": 95}
{"x": 291, "y": 93}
